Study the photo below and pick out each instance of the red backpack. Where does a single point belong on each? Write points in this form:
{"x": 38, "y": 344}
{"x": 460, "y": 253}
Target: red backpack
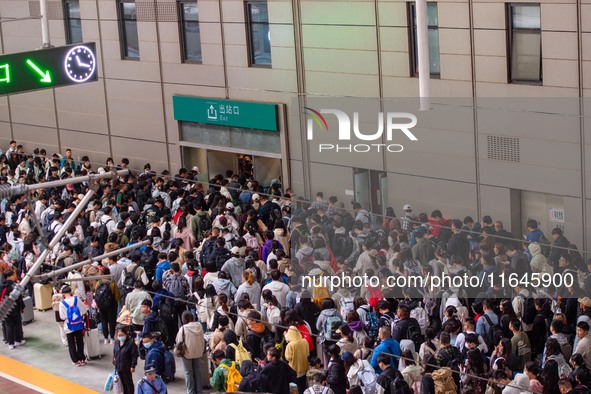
{"x": 306, "y": 335}
{"x": 375, "y": 294}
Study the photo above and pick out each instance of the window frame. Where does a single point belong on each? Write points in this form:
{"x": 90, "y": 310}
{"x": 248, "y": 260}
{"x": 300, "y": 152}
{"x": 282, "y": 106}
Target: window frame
{"x": 182, "y": 35}
{"x": 67, "y": 22}
{"x": 510, "y": 33}
{"x": 413, "y": 43}
{"x": 248, "y": 23}
{"x": 122, "y": 30}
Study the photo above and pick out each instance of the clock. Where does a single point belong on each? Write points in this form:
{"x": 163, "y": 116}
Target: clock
{"x": 80, "y": 63}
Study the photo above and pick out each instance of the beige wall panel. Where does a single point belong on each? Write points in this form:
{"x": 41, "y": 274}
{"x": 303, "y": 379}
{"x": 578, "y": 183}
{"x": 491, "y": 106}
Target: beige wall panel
{"x": 209, "y": 11}
{"x": 211, "y": 33}
{"x": 110, "y": 29}
{"x": 395, "y": 64}
{"x": 454, "y": 41}
{"x": 281, "y": 36}
{"x": 58, "y": 32}
{"x": 175, "y": 158}
{"x": 280, "y": 12}
{"x": 297, "y": 176}
{"x": 234, "y": 34}
{"x": 490, "y": 42}
{"x": 340, "y": 61}
{"x": 586, "y": 17}
{"x": 400, "y": 86}
{"x": 88, "y": 9}
{"x": 82, "y": 108}
{"x": 34, "y": 108}
{"x": 559, "y": 17}
{"x": 169, "y": 32}
{"x": 262, "y": 79}
{"x": 108, "y": 10}
{"x": 453, "y": 15}
{"x": 516, "y": 90}
{"x": 233, "y": 11}
{"x": 457, "y": 67}
{"x": 193, "y": 74}
{"x": 283, "y": 58}
{"x": 149, "y": 53}
{"x": 212, "y": 55}
{"x": 490, "y": 16}
{"x": 349, "y": 13}
{"x": 586, "y": 46}
{"x": 5, "y": 135}
{"x": 131, "y": 70}
{"x": 94, "y": 145}
{"x": 90, "y": 30}
{"x": 448, "y": 88}
{"x": 491, "y": 69}
{"x": 559, "y": 45}
{"x": 393, "y": 13}
{"x": 339, "y": 37}
{"x": 171, "y": 53}
{"x": 14, "y": 9}
{"x": 394, "y": 39}
{"x": 587, "y": 77}
{"x": 563, "y": 73}
{"x": 21, "y": 44}
{"x": 332, "y": 84}
{"x": 35, "y": 136}
{"x": 141, "y": 152}
{"x": 332, "y": 181}
{"x": 4, "y": 115}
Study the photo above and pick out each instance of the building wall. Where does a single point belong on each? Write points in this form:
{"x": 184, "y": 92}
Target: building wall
{"x": 333, "y": 49}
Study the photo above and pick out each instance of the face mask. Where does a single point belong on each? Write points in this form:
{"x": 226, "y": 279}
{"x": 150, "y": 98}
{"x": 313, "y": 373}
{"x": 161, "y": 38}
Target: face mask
{"x": 121, "y": 339}
{"x": 147, "y": 345}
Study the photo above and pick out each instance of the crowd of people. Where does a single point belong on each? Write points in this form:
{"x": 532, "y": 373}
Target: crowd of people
{"x": 219, "y": 286}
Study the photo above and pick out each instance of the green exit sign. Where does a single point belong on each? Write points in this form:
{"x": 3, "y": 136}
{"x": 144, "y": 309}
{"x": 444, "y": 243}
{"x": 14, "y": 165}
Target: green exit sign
{"x": 48, "y": 68}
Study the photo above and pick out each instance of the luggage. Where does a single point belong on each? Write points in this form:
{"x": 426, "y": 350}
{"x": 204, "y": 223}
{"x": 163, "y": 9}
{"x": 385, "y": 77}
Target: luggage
{"x": 204, "y": 370}
{"x": 42, "y": 295}
{"x": 28, "y": 312}
{"x": 92, "y": 344}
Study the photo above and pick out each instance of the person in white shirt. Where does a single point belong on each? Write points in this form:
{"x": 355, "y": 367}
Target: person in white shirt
{"x": 584, "y": 345}
{"x": 73, "y": 333}
{"x": 470, "y": 328}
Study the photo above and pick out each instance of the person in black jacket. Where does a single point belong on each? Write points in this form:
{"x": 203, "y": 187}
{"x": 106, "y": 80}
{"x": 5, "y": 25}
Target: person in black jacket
{"x": 400, "y": 329}
{"x": 276, "y": 375}
{"x": 13, "y": 324}
{"x": 458, "y": 244}
{"x": 336, "y": 375}
{"x": 559, "y": 243}
{"x": 541, "y": 327}
{"x": 388, "y": 373}
{"x": 125, "y": 355}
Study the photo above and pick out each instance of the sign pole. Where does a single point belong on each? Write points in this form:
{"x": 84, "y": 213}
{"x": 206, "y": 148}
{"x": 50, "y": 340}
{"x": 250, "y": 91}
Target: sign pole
{"x": 44, "y": 24}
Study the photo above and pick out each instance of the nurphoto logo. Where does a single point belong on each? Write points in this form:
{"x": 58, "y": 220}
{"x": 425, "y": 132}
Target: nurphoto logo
{"x": 394, "y": 121}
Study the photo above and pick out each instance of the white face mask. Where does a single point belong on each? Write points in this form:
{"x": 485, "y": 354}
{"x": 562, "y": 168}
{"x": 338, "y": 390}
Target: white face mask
{"x": 121, "y": 339}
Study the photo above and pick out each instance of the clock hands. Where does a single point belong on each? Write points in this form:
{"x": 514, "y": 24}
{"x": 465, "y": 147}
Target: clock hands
{"x": 82, "y": 64}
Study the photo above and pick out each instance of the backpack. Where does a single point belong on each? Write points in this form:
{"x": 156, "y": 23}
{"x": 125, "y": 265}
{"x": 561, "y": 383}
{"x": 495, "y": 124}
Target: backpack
{"x": 148, "y": 262}
{"x": 104, "y": 296}
{"x": 375, "y": 294}
{"x": 413, "y": 332}
{"x": 444, "y": 382}
{"x": 129, "y": 279}
{"x": 103, "y": 232}
{"x": 204, "y": 224}
{"x": 169, "y": 366}
{"x": 21, "y": 266}
{"x": 166, "y": 309}
{"x": 331, "y": 325}
{"x": 546, "y": 245}
{"x": 202, "y": 308}
{"x": 399, "y": 386}
{"x": 74, "y": 318}
{"x": 176, "y": 286}
{"x": 253, "y": 243}
{"x": 162, "y": 328}
{"x": 421, "y": 316}
{"x": 529, "y": 309}
{"x": 494, "y": 334}
{"x": 367, "y": 377}
{"x": 342, "y": 245}
{"x": 240, "y": 353}
{"x": 233, "y": 379}
{"x": 372, "y": 324}
{"x": 346, "y": 304}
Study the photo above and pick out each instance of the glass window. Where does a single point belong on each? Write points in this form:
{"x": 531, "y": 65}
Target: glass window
{"x": 73, "y": 21}
{"x": 525, "y": 40}
{"x": 190, "y": 34}
{"x": 130, "y": 48}
{"x": 433, "y": 34}
{"x": 258, "y": 33}
{"x": 232, "y": 137}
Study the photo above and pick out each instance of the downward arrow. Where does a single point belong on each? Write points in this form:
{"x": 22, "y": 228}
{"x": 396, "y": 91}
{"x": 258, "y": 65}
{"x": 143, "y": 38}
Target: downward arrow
{"x": 45, "y": 77}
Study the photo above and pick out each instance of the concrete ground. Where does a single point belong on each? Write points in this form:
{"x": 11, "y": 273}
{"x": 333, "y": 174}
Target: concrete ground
{"x": 44, "y": 350}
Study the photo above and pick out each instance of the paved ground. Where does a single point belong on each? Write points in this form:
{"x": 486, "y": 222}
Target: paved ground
{"x": 44, "y": 351}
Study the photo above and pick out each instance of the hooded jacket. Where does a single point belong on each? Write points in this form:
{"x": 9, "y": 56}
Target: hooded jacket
{"x": 297, "y": 351}
{"x": 192, "y": 335}
{"x": 518, "y": 385}
{"x": 125, "y": 355}
{"x": 218, "y": 379}
{"x": 235, "y": 267}
{"x": 538, "y": 263}
{"x": 224, "y": 286}
{"x": 252, "y": 290}
{"x": 322, "y": 320}
{"x": 155, "y": 357}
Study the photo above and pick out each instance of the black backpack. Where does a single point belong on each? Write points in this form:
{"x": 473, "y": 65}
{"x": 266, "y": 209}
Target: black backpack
{"x": 494, "y": 334}
{"x": 148, "y": 261}
{"x": 529, "y": 309}
{"x": 103, "y": 233}
{"x": 104, "y": 296}
{"x": 399, "y": 386}
{"x": 166, "y": 309}
{"x": 342, "y": 245}
{"x": 204, "y": 224}
{"x": 413, "y": 332}
{"x": 545, "y": 246}
{"x": 162, "y": 328}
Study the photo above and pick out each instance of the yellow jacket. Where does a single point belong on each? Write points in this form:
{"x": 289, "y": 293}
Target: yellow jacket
{"x": 297, "y": 351}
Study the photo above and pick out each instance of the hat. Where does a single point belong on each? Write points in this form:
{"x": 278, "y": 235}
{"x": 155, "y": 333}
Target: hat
{"x": 256, "y": 197}
{"x": 230, "y": 205}
{"x": 407, "y": 207}
{"x": 373, "y": 252}
{"x": 586, "y": 301}
{"x": 196, "y": 169}
{"x": 223, "y": 221}
{"x": 249, "y": 259}
{"x": 235, "y": 250}
{"x": 101, "y": 170}
{"x": 347, "y": 356}
{"x": 149, "y": 369}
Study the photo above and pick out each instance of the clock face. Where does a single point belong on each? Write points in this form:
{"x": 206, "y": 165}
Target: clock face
{"x": 80, "y": 64}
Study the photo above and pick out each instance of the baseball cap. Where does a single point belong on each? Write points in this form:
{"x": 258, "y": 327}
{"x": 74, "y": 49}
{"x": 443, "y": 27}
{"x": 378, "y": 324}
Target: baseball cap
{"x": 235, "y": 250}
{"x": 407, "y": 207}
{"x": 256, "y": 197}
{"x": 230, "y": 205}
{"x": 586, "y": 301}
{"x": 149, "y": 369}
{"x": 196, "y": 169}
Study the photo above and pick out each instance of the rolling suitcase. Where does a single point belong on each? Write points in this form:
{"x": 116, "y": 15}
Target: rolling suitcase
{"x": 92, "y": 344}
{"x": 42, "y": 295}
{"x": 27, "y": 315}
{"x": 204, "y": 370}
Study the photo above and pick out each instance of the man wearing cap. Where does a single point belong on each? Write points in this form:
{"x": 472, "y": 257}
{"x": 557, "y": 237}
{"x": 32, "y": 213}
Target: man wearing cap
{"x": 408, "y": 217}
{"x": 151, "y": 383}
{"x": 366, "y": 259}
{"x": 235, "y": 266}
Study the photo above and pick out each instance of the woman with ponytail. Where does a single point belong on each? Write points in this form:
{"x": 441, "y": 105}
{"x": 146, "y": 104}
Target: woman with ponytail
{"x": 249, "y": 286}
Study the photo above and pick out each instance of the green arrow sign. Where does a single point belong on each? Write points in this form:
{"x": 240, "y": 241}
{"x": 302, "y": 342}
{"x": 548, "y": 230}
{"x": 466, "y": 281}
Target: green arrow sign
{"x": 48, "y": 68}
{"x": 45, "y": 77}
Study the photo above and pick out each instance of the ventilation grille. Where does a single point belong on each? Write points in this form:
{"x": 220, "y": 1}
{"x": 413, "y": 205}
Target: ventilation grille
{"x": 502, "y": 148}
{"x": 55, "y": 10}
{"x": 167, "y": 11}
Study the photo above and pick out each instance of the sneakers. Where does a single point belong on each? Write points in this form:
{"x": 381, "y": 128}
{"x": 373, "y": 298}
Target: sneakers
{"x": 80, "y": 363}
{"x": 21, "y": 343}
{"x": 11, "y": 347}
{"x": 106, "y": 341}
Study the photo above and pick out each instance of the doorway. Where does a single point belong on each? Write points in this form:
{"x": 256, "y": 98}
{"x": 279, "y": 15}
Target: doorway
{"x": 371, "y": 190}
{"x": 547, "y": 209}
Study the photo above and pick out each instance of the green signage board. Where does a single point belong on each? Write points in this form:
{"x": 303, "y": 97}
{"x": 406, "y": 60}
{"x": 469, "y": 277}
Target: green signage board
{"x": 48, "y": 68}
{"x": 243, "y": 114}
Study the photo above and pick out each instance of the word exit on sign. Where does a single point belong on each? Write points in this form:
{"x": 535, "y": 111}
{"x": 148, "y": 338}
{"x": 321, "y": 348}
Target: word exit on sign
{"x": 48, "y": 68}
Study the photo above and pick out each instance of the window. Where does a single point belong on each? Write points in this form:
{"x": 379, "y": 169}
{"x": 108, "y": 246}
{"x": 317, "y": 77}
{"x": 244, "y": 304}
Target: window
{"x": 73, "y": 21}
{"x": 190, "y": 34}
{"x": 259, "y": 36}
{"x": 525, "y": 43}
{"x": 128, "y": 30}
{"x": 433, "y": 33}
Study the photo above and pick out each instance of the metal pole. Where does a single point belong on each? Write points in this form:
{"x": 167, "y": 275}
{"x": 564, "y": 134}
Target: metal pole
{"x": 44, "y": 24}
{"x": 86, "y": 278}
{"x": 7, "y": 191}
{"x": 423, "y": 55}
{"x": 67, "y": 269}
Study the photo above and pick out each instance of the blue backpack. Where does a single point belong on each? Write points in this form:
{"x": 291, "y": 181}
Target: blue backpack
{"x": 169, "y": 367}
{"x": 74, "y": 320}
{"x": 372, "y": 324}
